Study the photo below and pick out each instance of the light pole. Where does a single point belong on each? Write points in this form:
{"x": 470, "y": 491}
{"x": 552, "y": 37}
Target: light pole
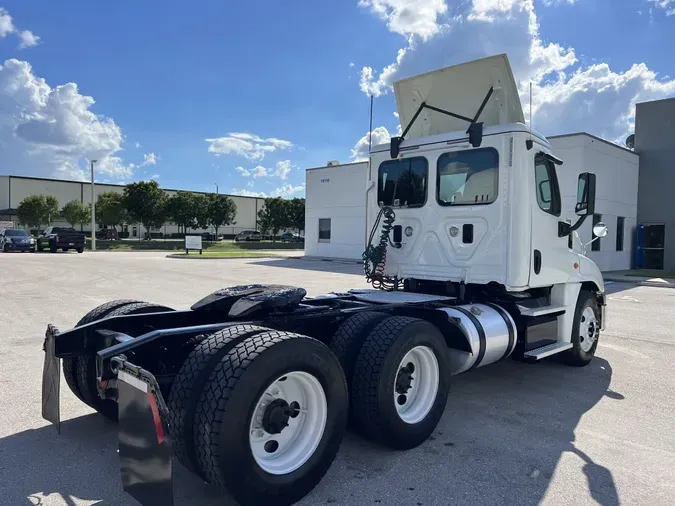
{"x": 93, "y": 209}
{"x": 216, "y": 188}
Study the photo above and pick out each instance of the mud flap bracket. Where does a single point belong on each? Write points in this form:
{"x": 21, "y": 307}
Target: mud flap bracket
{"x": 51, "y": 380}
{"x": 145, "y": 449}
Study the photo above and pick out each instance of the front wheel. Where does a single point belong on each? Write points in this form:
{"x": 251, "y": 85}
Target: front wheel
{"x": 271, "y": 418}
{"x": 401, "y": 382}
{"x": 52, "y": 249}
{"x": 585, "y": 331}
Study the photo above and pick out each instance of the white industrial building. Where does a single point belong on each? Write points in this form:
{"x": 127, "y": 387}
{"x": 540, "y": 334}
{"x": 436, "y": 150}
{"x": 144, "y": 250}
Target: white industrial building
{"x": 336, "y": 201}
{"x": 13, "y": 189}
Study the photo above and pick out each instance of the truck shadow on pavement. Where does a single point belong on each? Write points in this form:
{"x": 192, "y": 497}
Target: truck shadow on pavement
{"x": 504, "y": 433}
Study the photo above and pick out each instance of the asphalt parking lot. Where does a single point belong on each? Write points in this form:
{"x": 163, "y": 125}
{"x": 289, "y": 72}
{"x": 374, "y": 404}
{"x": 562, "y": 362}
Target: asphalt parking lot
{"x": 512, "y": 433}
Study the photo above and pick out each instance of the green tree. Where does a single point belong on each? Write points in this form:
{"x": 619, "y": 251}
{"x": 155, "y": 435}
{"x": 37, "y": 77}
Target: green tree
{"x": 296, "y": 214}
{"x": 51, "y": 209}
{"x": 273, "y": 216}
{"x": 221, "y": 211}
{"x": 183, "y": 209}
{"x": 146, "y": 203}
{"x": 75, "y": 212}
{"x": 201, "y": 211}
{"x": 110, "y": 209}
{"x": 31, "y": 211}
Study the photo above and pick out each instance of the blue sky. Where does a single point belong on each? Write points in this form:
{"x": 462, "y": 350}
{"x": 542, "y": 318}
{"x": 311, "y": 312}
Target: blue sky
{"x": 158, "y": 88}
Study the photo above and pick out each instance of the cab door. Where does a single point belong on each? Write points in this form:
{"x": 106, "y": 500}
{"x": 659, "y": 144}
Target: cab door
{"x": 551, "y": 260}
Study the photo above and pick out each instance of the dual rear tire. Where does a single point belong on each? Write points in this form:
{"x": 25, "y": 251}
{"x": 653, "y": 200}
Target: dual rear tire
{"x": 397, "y": 368}
{"x": 259, "y": 412}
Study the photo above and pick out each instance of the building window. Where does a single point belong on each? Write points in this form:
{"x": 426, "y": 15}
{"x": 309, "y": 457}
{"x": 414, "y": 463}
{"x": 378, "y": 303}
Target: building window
{"x": 595, "y": 245}
{"x": 548, "y": 193}
{"x": 468, "y": 177}
{"x": 403, "y": 183}
{"x": 324, "y": 229}
{"x": 619, "y": 232}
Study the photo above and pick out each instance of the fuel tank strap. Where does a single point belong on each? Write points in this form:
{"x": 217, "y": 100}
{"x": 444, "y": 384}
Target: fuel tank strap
{"x": 481, "y": 334}
{"x": 509, "y": 326}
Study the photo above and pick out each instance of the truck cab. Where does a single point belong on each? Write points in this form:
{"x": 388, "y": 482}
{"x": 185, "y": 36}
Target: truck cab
{"x": 479, "y": 210}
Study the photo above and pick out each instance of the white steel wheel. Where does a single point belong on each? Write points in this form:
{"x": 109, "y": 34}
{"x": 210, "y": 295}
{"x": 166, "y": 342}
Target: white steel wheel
{"x": 416, "y": 385}
{"x": 288, "y": 423}
{"x": 588, "y": 329}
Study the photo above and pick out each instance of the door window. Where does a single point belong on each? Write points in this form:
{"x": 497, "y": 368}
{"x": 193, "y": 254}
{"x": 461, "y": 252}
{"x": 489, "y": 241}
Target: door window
{"x": 546, "y": 186}
{"x": 403, "y": 183}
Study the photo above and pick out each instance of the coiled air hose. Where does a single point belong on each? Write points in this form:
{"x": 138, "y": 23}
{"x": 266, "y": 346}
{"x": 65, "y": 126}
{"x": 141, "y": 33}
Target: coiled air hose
{"x": 375, "y": 257}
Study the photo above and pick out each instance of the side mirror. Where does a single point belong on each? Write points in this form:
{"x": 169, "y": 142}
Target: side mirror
{"x": 585, "y": 194}
{"x": 600, "y": 230}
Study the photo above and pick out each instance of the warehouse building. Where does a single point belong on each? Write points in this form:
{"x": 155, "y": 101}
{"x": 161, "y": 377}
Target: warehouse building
{"x": 336, "y": 207}
{"x": 655, "y": 144}
{"x": 13, "y": 189}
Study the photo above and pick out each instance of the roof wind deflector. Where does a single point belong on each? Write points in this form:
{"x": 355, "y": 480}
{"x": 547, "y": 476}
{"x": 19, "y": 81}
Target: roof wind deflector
{"x": 475, "y": 129}
{"x": 551, "y": 158}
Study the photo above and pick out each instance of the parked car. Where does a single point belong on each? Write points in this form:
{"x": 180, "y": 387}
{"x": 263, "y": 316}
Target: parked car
{"x": 210, "y": 236}
{"x": 64, "y": 238}
{"x": 107, "y": 234}
{"x": 290, "y": 237}
{"x": 16, "y": 240}
{"x": 248, "y": 235}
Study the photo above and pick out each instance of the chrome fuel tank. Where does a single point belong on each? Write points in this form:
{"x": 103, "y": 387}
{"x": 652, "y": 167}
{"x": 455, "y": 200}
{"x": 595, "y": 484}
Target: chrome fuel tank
{"x": 490, "y": 333}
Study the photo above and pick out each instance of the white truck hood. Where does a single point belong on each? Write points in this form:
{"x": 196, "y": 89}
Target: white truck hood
{"x": 459, "y": 89}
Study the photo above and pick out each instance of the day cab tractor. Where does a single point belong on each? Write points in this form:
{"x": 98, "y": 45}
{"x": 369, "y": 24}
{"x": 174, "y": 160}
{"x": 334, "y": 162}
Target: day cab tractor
{"x": 470, "y": 254}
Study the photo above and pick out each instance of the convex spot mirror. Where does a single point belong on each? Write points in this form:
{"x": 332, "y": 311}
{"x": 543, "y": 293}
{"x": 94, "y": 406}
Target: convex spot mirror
{"x": 585, "y": 194}
{"x": 600, "y": 230}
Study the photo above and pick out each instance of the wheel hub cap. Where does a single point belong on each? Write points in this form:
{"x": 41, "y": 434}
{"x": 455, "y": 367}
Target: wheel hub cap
{"x": 588, "y": 329}
{"x": 416, "y": 385}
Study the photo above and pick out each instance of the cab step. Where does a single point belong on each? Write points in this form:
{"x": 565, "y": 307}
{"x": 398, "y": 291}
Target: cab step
{"x": 548, "y": 350}
{"x": 541, "y": 310}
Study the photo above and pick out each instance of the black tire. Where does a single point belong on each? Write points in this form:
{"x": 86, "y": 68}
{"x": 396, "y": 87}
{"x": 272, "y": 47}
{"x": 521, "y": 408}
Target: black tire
{"x": 375, "y": 374}
{"x": 80, "y": 250}
{"x": 5, "y": 249}
{"x": 87, "y": 382}
{"x": 576, "y": 356}
{"x": 39, "y": 247}
{"x": 347, "y": 342}
{"x": 70, "y": 364}
{"x": 52, "y": 249}
{"x": 189, "y": 384}
{"x": 226, "y": 406}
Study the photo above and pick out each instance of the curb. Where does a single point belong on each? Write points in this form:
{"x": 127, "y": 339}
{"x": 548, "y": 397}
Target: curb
{"x": 201, "y": 257}
{"x": 641, "y": 283}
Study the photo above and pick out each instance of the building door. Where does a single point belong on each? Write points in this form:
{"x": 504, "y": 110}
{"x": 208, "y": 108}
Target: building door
{"x": 651, "y": 242}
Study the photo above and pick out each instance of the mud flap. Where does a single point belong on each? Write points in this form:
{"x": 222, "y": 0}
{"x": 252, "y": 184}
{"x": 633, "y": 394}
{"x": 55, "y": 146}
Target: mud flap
{"x": 144, "y": 446}
{"x": 51, "y": 380}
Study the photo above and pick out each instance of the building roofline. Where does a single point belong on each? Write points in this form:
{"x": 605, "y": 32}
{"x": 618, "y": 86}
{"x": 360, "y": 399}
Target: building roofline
{"x": 338, "y": 165}
{"x": 11, "y": 176}
{"x": 668, "y": 99}
{"x": 595, "y": 137}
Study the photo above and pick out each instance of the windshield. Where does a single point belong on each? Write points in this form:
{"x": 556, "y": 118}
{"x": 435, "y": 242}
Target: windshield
{"x": 403, "y": 182}
{"x": 16, "y": 233}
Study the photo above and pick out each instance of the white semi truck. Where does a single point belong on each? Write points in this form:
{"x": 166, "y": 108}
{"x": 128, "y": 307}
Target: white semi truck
{"x": 470, "y": 253}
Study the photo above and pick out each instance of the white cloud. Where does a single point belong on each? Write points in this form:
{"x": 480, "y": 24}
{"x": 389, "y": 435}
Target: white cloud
{"x": 7, "y": 26}
{"x": 283, "y": 169}
{"x": 6, "y": 23}
{"x": 138, "y": 145}
{"x": 409, "y": 17}
{"x": 155, "y": 177}
{"x": 259, "y": 171}
{"x": 246, "y": 145}
{"x": 666, "y": 5}
{"x": 351, "y": 64}
{"x": 149, "y": 159}
{"x": 286, "y": 190}
{"x": 28, "y": 39}
{"x": 52, "y": 131}
{"x": 242, "y": 171}
{"x": 568, "y": 96}
{"x": 360, "y": 151}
